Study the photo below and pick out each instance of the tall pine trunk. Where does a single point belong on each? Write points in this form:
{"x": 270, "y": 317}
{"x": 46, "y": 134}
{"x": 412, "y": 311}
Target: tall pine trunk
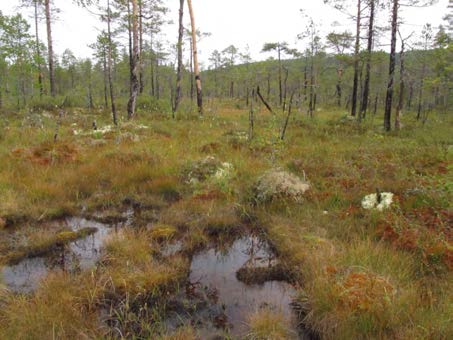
{"x": 355, "y": 85}
{"x": 399, "y": 109}
{"x": 104, "y": 67}
{"x": 195, "y": 59}
{"x": 135, "y": 63}
{"x": 140, "y": 30}
{"x": 50, "y": 48}
{"x": 366, "y": 89}
{"x": 109, "y": 64}
{"x": 179, "y": 48}
{"x": 38, "y": 51}
{"x": 280, "y": 95}
{"x": 129, "y": 35}
{"x": 389, "y": 95}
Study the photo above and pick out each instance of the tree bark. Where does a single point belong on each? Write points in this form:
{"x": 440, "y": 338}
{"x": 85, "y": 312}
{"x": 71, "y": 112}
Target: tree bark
{"x": 282, "y": 135}
{"x": 129, "y": 35}
{"x": 366, "y": 89}
{"x": 280, "y": 95}
{"x": 420, "y": 92}
{"x": 109, "y": 65}
{"x": 389, "y": 95}
{"x": 104, "y": 68}
{"x": 399, "y": 109}
{"x": 38, "y": 51}
{"x": 140, "y": 29}
{"x": 135, "y": 62}
{"x": 338, "y": 86}
{"x": 195, "y": 59}
{"x": 356, "y": 61}
{"x": 50, "y": 48}
{"x": 179, "y": 48}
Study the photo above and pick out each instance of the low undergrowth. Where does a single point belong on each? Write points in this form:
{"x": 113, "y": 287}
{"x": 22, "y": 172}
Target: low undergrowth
{"x": 360, "y": 273}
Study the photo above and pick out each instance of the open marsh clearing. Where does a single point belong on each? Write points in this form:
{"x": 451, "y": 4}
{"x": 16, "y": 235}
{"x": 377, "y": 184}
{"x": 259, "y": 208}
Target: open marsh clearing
{"x": 183, "y": 231}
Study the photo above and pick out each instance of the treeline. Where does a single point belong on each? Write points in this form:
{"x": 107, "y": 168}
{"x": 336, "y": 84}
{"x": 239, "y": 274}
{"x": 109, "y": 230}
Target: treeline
{"x": 129, "y": 56}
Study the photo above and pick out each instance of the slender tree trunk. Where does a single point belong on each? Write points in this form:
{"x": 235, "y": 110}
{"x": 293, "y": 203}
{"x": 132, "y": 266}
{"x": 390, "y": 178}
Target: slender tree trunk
{"x": 366, "y": 89}
{"x": 109, "y": 65}
{"x": 156, "y": 71}
{"x": 399, "y": 109}
{"x": 192, "y": 87}
{"x": 389, "y": 95}
{"x": 420, "y": 92}
{"x": 153, "y": 92}
{"x": 355, "y": 84}
{"x": 38, "y": 51}
{"x": 50, "y": 48}
{"x": 305, "y": 78}
{"x": 135, "y": 62}
{"x": 140, "y": 29}
{"x": 90, "y": 90}
{"x": 129, "y": 35}
{"x": 338, "y": 87}
{"x": 104, "y": 65}
{"x": 285, "y": 88}
{"x": 179, "y": 48}
{"x": 195, "y": 59}
{"x": 280, "y": 95}
{"x": 268, "y": 91}
{"x": 311, "y": 105}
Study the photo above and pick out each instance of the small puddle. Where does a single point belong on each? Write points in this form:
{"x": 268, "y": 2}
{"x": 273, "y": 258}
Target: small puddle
{"x": 81, "y": 254}
{"x": 231, "y": 302}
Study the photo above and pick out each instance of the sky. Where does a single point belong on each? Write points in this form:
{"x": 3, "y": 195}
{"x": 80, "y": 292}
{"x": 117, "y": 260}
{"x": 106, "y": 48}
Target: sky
{"x": 239, "y": 22}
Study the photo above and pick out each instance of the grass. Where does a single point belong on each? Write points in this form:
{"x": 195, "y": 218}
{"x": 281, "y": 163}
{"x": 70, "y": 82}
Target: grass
{"x": 361, "y": 274}
{"x": 266, "y": 324}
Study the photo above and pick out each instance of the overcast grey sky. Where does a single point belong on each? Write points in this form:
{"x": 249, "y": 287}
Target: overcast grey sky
{"x": 237, "y": 22}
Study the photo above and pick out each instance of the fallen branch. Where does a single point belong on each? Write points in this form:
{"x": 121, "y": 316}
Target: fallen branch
{"x": 264, "y": 102}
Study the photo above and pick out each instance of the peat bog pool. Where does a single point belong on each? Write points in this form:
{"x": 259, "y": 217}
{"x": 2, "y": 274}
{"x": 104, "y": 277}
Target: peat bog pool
{"x": 218, "y": 303}
{"x": 225, "y": 285}
{"x": 81, "y": 254}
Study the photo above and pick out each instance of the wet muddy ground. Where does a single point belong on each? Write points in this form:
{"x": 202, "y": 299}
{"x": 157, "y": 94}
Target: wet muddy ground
{"x": 217, "y": 299}
{"x": 82, "y": 254}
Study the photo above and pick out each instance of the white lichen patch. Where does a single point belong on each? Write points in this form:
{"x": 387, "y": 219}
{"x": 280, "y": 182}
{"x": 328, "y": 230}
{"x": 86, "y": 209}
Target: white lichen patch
{"x": 224, "y": 171}
{"x": 279, "y": 183}
{"x": 371, "y": 201}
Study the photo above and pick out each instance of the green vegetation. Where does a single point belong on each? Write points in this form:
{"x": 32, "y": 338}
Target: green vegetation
{"x": 360, "y": 272}
{"x": 281, "y": 153}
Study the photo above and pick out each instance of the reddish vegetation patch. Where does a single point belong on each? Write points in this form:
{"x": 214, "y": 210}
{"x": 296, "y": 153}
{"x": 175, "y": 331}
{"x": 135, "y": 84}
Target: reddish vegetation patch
{"x": 48, "y": 152}
{"x": 209, "y": 196}
{"x": 210, "y": 148}
{"x": 435, "y": 220}
{"x": 352, "y": 210}
{"x": 320, "y": 196}
{"x": 442, "y": 168}
{"x": 424, "y": 231}
{"x": 364, "y": 292}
